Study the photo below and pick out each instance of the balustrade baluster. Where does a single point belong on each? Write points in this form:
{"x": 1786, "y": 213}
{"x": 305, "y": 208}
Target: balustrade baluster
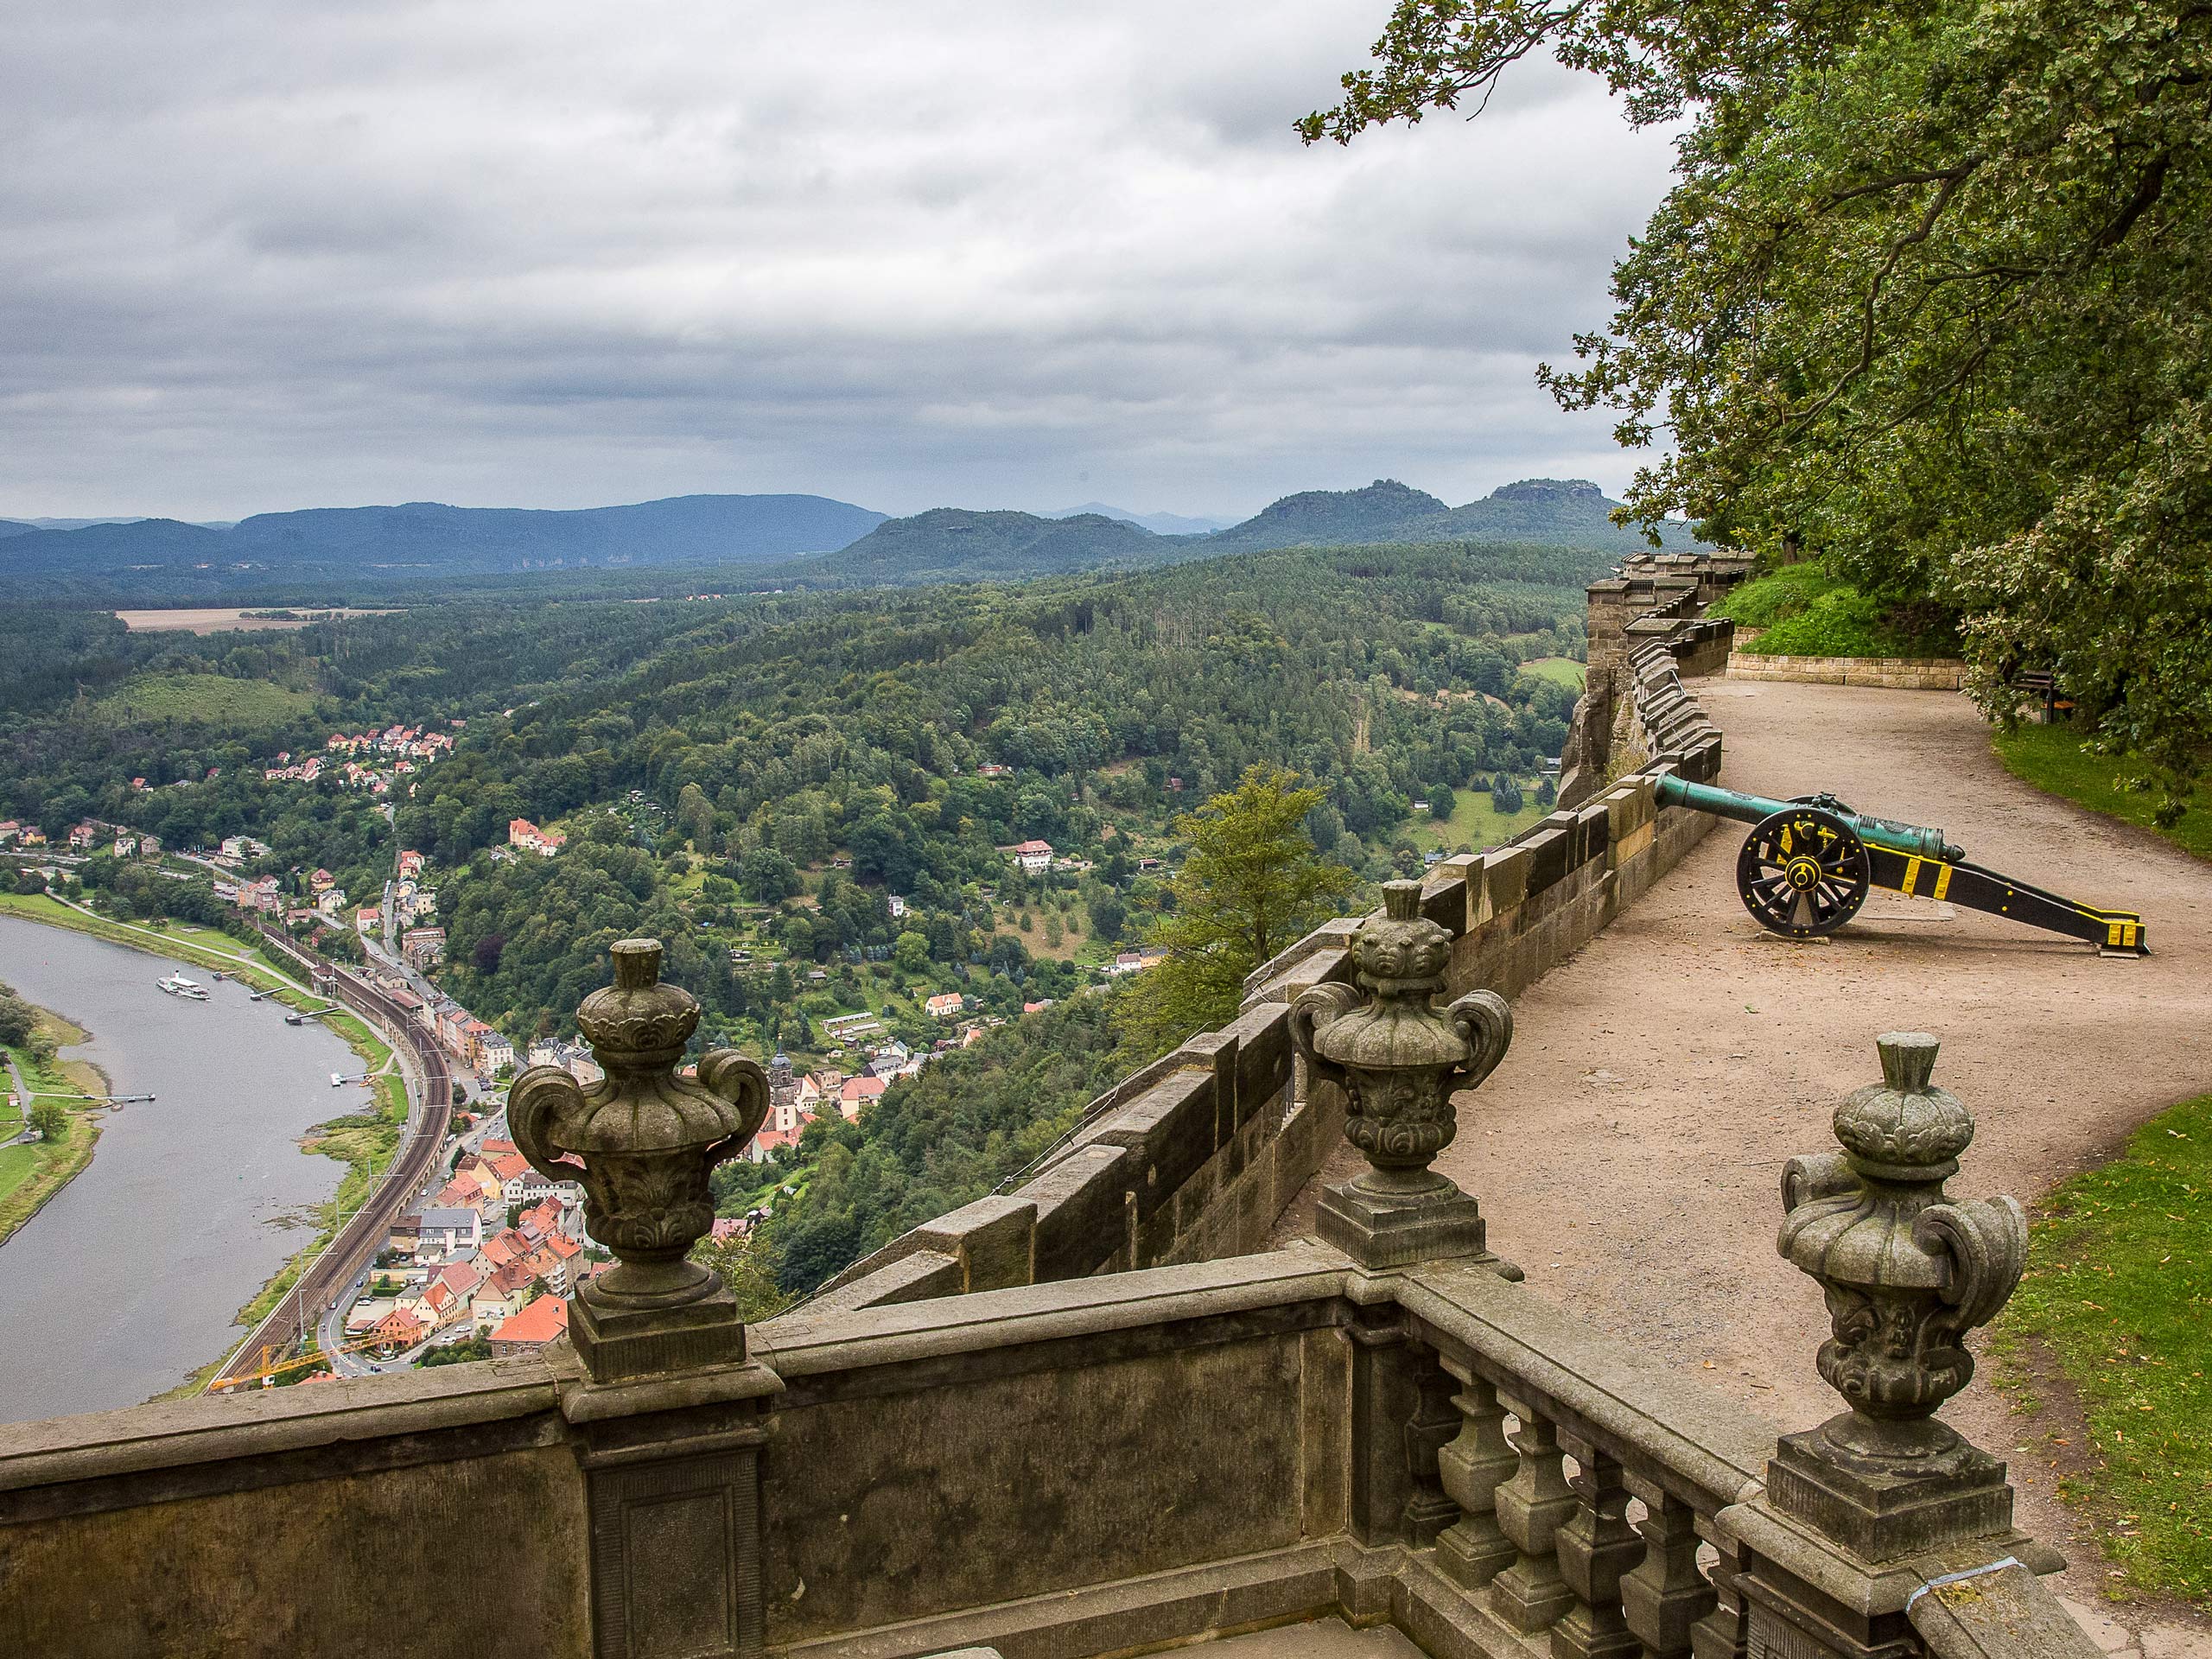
{"x": 1474, "y": 1550}
{"x": 1531, "y": 1508}
{"x": 1597, "y": 1549}
{"x": 1429, "y": 1508}
{"x": 1667, "y": 1595}
{"x": 1722, "y": 1634}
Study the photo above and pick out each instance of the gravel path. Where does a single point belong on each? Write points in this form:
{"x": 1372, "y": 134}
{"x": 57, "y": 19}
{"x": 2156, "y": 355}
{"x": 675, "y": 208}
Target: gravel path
{"x": 1628, "y": 1150}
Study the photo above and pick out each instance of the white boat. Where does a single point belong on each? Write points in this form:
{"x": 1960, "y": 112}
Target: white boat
{"x": 336, "y": 1080}
{"x": 178, "y": 985}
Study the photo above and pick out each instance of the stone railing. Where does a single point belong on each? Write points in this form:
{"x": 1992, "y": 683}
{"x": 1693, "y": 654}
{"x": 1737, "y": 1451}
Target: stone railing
{"x": 1196, "y": 1155}
{"x": 1383, "y": 1426}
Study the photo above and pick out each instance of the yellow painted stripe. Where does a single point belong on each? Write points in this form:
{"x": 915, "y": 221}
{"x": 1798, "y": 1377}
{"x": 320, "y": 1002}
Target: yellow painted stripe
{"x": 1943, "y": 880}
{"x": 1911, "y": 875}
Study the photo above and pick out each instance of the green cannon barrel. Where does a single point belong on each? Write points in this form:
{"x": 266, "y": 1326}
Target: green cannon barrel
{"x": 1910, "y": 839}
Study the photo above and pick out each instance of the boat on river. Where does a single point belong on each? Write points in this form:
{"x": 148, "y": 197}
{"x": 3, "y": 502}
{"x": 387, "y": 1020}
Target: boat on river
{"x": 178, "y": 985}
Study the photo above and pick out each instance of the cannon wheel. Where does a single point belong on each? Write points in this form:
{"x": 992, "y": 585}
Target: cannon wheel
{"x": 1802, "y": 872}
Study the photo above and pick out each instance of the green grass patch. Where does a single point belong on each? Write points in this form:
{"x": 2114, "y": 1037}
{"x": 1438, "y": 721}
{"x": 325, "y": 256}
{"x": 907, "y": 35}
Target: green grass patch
{"x": 2118, "y": 1295}
{"x": 216, "y": 699}
{"x": 1474, "y": 822}
{"x": 1560, "y": 671}
{"x": 2052, "y": 758}
{"x": 1807, "y": 612}
{"x": 17, "y": 1165}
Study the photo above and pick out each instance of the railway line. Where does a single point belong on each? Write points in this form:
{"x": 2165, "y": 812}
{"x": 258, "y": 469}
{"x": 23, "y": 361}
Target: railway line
{"x": 429, "y": 1087}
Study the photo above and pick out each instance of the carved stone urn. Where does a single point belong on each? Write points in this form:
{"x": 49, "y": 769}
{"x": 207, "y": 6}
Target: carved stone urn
{"x": 1907, "y": 1272}
{"x": 642, "y": 1141}
{"x": 1398, "y": 1059}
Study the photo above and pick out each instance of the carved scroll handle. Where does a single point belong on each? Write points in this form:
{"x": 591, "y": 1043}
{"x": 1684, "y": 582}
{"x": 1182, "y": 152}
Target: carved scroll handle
{"x": 1818, "y": 1175}
{"x": 1317, "y": 1006}
{"x": 1987, "y": 1243}
{"x": 739, "y": 1079}
{"x": 1485, "y": 1021}
{"x": 533, "y": 1100}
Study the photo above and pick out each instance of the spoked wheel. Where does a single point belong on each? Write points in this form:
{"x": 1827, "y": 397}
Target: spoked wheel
{"x": 1802, "y": 872}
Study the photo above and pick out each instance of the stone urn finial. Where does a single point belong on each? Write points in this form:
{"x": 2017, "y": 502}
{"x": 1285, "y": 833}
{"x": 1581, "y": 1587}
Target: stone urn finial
{"x": 642, "y": 1141}
{"x": 1907, "y": 1272}
{"x": 1398, "y": 1059}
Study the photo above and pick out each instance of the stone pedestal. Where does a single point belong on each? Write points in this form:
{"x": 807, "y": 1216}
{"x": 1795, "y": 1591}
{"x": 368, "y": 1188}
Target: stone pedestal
{"x": 1394, "y": 1229}
{"x": 1879, "y": 1507}
{"x": 673, "y": 1483}
{"x": 618, "y": 1343}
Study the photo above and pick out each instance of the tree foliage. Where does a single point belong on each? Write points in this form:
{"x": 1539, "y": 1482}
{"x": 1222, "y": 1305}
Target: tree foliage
{"x": 1251, "y": 885}
{"x": 1930, "y": 295}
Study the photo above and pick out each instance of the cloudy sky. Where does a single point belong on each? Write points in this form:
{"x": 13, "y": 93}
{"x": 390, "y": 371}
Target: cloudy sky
{"x": 259, "y": 254}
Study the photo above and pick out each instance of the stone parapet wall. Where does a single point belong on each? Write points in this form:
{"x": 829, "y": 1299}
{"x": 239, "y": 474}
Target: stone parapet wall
{"x": 1891, "y": 673}
{"x": 1105, "y": 1465}
{"x": 1194, "y": 1157}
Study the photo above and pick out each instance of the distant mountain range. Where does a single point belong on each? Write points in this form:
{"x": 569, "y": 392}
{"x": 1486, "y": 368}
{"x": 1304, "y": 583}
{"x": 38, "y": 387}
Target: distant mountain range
{"x": 423, "y": 546}
{"x": 1160, "y": 523}
{"x": 429, "y": 539}
{"x": 22, "y": 526}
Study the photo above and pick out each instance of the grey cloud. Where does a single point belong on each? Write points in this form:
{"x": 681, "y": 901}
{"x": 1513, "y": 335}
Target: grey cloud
{"x": 260, "y": 256}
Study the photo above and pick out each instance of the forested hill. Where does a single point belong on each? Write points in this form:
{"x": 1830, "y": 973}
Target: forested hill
{"x": 950, "y": 544}
{"x": 425, "y": 540}
{"x": 1570, "y": 512}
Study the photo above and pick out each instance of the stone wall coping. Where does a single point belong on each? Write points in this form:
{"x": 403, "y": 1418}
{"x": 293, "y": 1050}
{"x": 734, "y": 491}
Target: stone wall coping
{"x": 255, "y": 1423}
{"x": 1675, "y": 1425}
{"x": 1870, "y": 1589}
{"x": 1948, "y": 664}
{"x": 809, "y": 1342}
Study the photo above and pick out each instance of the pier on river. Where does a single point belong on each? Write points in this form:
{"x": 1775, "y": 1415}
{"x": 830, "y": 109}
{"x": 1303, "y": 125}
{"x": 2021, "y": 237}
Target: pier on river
{"x": 128, "y": 1279}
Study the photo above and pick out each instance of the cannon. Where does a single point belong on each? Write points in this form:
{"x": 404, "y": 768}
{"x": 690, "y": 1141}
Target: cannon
{"x": 1806, "y": 864}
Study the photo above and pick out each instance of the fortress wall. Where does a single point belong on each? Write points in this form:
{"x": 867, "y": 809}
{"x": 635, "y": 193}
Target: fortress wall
{"x": 1194, "y": 1157}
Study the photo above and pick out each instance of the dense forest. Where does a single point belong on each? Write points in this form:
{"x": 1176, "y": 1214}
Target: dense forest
{"x": 757, "y": 779}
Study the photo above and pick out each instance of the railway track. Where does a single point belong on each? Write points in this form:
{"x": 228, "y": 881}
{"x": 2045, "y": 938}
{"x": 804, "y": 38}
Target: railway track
{"x": 301, "y": 1307}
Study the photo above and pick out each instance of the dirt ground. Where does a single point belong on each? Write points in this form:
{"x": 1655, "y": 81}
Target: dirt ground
{"x": 1628, "y": 1150}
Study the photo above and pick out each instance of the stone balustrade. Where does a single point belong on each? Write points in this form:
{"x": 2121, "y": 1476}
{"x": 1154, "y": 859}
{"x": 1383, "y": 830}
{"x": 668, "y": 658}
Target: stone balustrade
{"x": 1384, "y": 1424}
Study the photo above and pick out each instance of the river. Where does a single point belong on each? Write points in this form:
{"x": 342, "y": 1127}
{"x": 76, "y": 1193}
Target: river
{"x": 128, "y": 1280}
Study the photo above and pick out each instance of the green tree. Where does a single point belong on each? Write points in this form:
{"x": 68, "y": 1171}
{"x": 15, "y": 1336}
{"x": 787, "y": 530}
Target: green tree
{"x": 52, "y": 1122}
{"x": 1932, "y": 297}
{"x": 695, "y": 818}
{"x": 1251, "y": 884}
{"x": 18, "y": 1020}
{"x": 911, "y": 953}
{"x": 749, "y": 1264}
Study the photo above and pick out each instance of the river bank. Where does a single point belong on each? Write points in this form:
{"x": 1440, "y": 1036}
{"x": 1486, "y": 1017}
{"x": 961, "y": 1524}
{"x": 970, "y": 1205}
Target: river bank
{"x": 275, "y": 1197}
{"x": 31, "y": 1172}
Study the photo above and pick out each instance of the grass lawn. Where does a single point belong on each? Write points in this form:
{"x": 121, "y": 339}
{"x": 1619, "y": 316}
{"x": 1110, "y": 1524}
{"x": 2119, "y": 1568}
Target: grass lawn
{"x": 2118, "y": 1295}
{"x": 18, "y": 1164}
{"x": 2051, "y": 758}
{"x": 214, "y": 698}
{"x": 1560, "y": 671}
{"x": 1474, "y": 822}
